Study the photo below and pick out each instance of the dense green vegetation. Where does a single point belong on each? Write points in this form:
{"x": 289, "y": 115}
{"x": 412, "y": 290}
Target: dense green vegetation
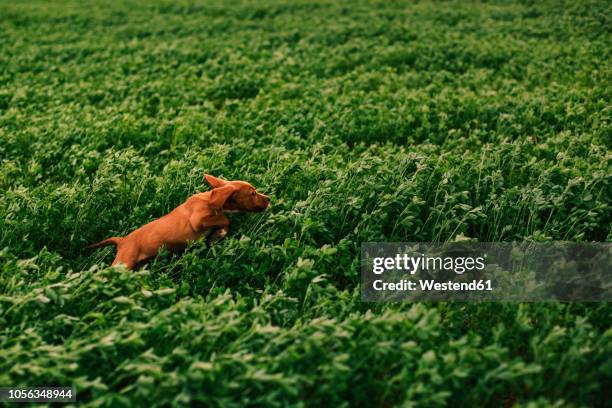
{"x": 388, "y": 121}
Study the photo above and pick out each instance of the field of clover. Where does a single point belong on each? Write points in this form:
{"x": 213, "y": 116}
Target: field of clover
{"x": 365, "y": 121}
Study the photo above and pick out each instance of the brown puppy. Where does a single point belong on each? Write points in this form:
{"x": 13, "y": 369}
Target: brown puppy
{"x": 202, "y": 214}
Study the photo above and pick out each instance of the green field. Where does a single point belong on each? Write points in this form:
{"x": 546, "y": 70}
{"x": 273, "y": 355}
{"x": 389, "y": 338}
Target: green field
{"x": 388, "y": 121}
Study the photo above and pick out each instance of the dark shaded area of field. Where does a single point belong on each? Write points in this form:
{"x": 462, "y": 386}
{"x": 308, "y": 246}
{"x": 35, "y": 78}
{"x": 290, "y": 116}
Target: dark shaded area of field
{"x": 388, "y": 121}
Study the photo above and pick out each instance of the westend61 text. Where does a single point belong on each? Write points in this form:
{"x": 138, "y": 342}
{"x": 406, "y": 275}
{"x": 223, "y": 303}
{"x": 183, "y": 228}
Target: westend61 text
{"x": 431, "y": 285}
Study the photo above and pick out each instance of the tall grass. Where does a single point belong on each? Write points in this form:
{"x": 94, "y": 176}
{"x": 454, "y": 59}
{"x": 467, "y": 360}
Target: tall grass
{"x": 365, "y": 121}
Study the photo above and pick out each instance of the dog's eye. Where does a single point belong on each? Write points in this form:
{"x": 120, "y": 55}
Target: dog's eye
{"x": 253, "y": 193}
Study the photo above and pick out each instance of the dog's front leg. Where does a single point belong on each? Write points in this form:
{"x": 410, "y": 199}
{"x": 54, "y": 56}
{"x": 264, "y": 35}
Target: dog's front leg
{"x": 217, "y": 235}
{"x": 218, "y": 224}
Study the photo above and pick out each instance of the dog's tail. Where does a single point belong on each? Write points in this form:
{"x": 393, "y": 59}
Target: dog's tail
{"x": 108, "y": 241}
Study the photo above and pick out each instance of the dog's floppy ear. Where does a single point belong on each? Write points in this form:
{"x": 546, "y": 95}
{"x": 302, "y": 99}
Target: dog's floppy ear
{"x": 219, "y": 195}
{"x": 214, "y": 182}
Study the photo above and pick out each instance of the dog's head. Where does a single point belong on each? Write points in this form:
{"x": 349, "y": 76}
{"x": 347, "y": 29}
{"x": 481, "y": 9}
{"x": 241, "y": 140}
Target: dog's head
{"x": 235, "y": 195}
